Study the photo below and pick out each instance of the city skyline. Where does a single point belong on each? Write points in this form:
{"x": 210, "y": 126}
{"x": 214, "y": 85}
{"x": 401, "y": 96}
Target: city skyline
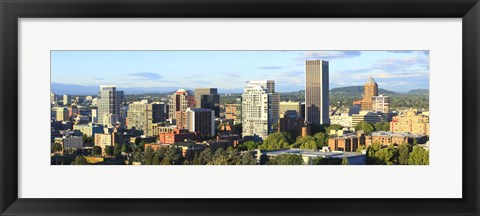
{"x": 229, "y": 70}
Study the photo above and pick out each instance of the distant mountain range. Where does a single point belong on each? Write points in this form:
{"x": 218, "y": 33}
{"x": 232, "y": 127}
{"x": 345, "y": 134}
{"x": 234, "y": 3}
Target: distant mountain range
{"x": 419, "y": 92}
{"x": 59, "y": 88}
{"x": 357, "y": 90}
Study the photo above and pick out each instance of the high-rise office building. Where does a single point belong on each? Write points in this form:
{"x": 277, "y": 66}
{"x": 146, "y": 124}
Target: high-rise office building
{"x": 94, "y": 116}
{"x": 381, "y": 103}
{"x": 201, "y": 120}
{"x": 370, "y": 90}
{"x": 109, "y": 102}
{"x": 316, "y": 92}
{"x": 208, "y": 98}
{"x": 238, "y": 102}
{"x": 67, "y": 100}
{"x": 259, "y": 108}
{"x": 179, "y": 101}
{"x": 62, "y": 114}
{"x": 273, "y": 97}
{"x": 142, "y": 115}
{"x": 52, "y": 98}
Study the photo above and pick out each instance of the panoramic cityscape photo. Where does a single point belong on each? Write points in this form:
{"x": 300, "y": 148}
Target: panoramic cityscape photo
{"x": 240, "y": 107}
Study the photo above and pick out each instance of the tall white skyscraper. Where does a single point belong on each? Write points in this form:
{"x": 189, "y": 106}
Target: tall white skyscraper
{"x": 67, "y": 99}
{"x": 260, "y": 104}
{"x": 316, "y": 92}
{"x": 109, "y": 102}
{"x": 52, "y": 98}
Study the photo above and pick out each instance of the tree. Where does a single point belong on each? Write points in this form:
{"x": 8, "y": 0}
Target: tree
{"x": 109, "y": 150}
{"x": 125, "y": 148}
{"x": 219, "y": 152}
{"x": 386, "y": 126}
{"x": 251, "y": 145}
{"x": 172, "y": 156}
{"x": 56, "y": 147}
{"x": 206, "y": 156}
{"x": 80, "y": 160}
{"x": 345, "y": 161}
{"x": 321, "y": 139}
{"x": 310, "y": 144}
{"x": 278, "y": 140}
{"x": 371, "y": 153}
{"x": 333, "y": 127}
{"x": 117, "y": 150}
{"x": 96, "y": 150}
{"x": 301, "y": 140}
{"x": 360, "y": 148}
{"x": 238, "y": 128}
{"x": 286, "y": 159}
{"x": 403, "y": 153}
{"x": 196, "y": 160}
{"x": 248, "y": 159}
{"x": 365, "y": 126}
{"x": 419, "y": 156}
{"x": 156, "y": 160}
{"x": 149, "y": 156}
{"x": 87, "y": 140}
{"x": 382, "y": 126}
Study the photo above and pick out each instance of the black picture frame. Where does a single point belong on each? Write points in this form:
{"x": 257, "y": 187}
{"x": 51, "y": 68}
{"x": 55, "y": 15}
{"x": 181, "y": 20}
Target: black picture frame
{"x": 12, "y": 10}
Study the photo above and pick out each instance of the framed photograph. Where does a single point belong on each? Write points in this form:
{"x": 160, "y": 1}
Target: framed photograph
{"x": 225, "y": 107}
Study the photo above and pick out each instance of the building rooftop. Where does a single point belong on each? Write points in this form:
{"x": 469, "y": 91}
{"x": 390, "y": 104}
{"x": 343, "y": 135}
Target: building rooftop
{"x": 312, "y": 153}
{"x": 398, "y": 134}
{"x": 371, "y": 81}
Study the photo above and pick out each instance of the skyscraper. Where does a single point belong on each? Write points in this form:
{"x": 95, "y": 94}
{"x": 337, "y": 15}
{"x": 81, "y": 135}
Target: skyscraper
{"x": 381, "y": 103}
{"x": 62, "y": 114}
{"x": 67, "y": 100}
{"x": 52, "y": 98}
{"x": 273, "y": 98}
{"x": 259, "y": 108}
{"x": 141, "y": 116}
{"x": 179, "y": 101}
{"x": 109, "y": 102}
{"x": 201, "y": 120}
{"x": 208, "y": 98}
{"x": 316, "y": 92}
{"x": 370, "y": 90}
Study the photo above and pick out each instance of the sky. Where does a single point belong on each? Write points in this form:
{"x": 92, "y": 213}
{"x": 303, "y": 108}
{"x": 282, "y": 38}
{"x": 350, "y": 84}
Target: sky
{"x": 399, "y": 71}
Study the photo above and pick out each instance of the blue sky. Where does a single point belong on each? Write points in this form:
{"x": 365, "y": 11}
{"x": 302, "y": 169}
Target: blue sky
{"x": 393, "y": 70}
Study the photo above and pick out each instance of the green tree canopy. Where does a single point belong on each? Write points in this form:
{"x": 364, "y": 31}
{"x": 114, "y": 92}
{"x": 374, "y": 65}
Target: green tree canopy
{"x": 365, "y": 126}
{"x": 80, "y": 160}
{"x": 251, "y": 145}
{"x": 149, "y": 156}
{"x": 419, "y": 156}
{"x": 125, "y": 148}
{"x": 205, "y": 156}
{"x": 117, "y": 150}
{"x": 321, "y": 139}
{"x": 56, "y": 147}
{"x": 403, "y": 153}
{"x": 333, "y": 127}
{"x": 382, "y": 126}
{"x": 248, "y": 159}
{"x": 278, "y": 140}
{"x": 109, "y": 150}
{"x": 96, "y": 150}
